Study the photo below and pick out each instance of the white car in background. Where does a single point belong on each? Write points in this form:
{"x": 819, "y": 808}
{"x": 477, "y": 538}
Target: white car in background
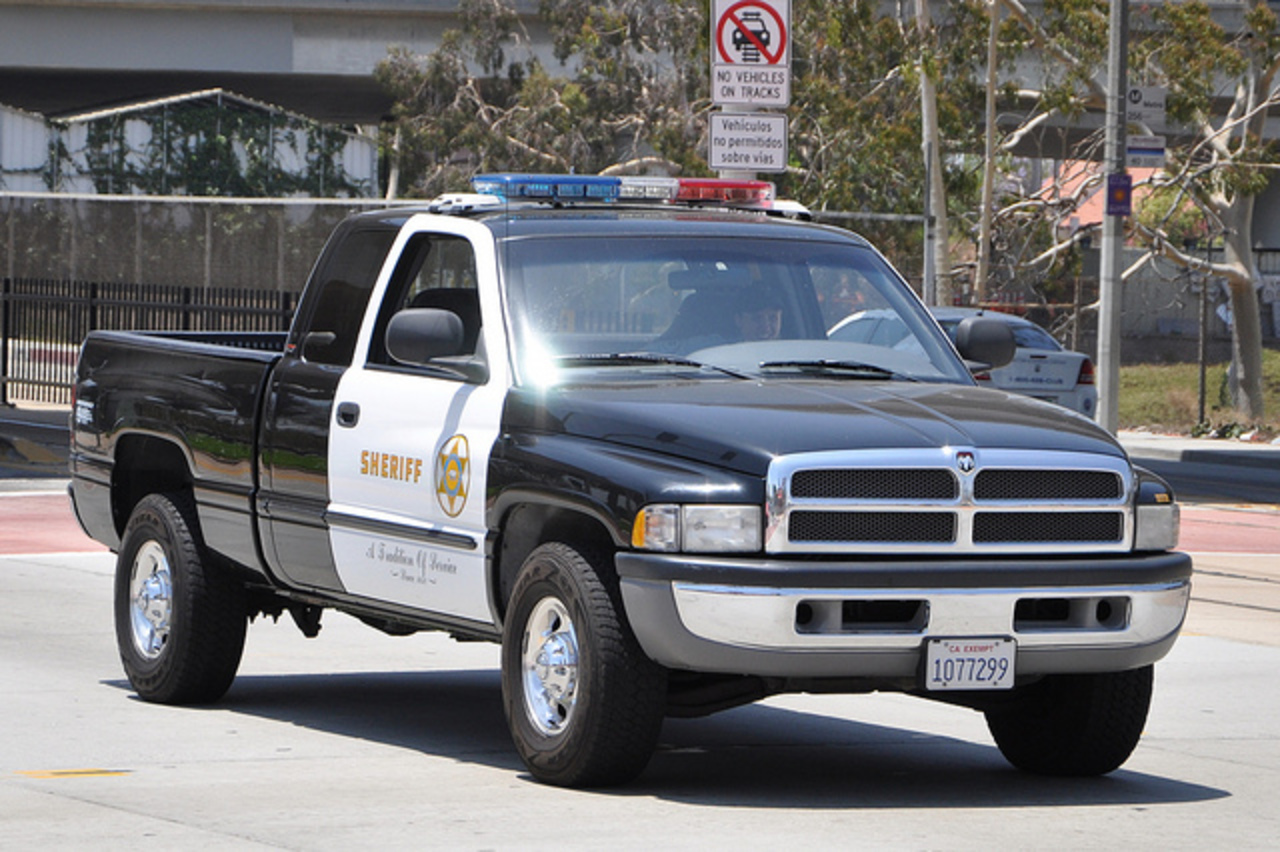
{"x": 1041, "y": 368}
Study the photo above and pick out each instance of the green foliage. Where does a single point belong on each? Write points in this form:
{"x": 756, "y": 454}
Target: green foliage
{"x": 1184, "y": 48}
{"x": 637, "y": 86}
{"x": 1168, "y": 210}
{"x": 1079, "y": 27}
{"x": 1187, "y": 50}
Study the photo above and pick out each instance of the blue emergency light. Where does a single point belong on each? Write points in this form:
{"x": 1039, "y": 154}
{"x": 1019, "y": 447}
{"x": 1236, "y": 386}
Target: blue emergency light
{"x": 547, "y": 187}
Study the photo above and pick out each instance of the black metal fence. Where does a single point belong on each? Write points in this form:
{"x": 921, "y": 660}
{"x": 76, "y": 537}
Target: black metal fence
{"x": 43, "y": 322}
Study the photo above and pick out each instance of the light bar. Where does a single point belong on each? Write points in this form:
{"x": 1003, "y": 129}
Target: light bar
{"x": 564, "y": 188}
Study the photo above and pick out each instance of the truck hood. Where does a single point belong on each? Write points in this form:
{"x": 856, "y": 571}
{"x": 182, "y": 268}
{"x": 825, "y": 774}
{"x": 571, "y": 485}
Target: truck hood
{"x": 743, "y": 425}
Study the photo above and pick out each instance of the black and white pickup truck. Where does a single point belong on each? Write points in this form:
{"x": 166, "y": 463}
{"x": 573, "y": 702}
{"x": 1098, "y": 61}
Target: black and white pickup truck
{"x": 601, "y": 422}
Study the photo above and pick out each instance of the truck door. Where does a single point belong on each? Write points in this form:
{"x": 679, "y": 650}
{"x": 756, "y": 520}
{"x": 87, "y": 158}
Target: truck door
{"x": 294, "y": 443}
{"x": 409, "y": 445}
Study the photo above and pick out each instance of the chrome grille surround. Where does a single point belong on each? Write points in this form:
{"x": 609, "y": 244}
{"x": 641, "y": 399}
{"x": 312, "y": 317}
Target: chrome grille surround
{"x": 1038, "y": 484}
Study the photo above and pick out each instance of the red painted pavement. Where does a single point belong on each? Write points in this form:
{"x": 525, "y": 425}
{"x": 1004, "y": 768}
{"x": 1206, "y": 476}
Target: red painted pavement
{"x": 41, "y": 523}
{"x": 1206, "y": 529}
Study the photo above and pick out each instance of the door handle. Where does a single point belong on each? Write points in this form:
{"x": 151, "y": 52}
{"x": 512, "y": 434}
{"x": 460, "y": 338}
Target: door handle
{"x": 348, "y": 414}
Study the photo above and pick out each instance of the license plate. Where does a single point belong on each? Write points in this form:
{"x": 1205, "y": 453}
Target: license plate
{"x": 969, "y": 664}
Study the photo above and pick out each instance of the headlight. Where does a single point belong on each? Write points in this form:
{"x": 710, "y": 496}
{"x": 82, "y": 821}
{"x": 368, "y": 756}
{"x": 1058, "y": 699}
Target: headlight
{"x": 697, "y": 529}
{"x": 1157, "y": 517}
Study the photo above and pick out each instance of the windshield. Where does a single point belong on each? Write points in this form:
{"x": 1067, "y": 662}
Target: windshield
{"x": 716, "y": 306}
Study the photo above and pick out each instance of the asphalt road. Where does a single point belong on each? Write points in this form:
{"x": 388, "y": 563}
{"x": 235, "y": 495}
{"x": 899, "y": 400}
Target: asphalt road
{"x": 359, "y": 739}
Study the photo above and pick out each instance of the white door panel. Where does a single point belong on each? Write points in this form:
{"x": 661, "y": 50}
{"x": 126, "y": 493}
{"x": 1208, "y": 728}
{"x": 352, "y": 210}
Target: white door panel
{"x": 407, "y": 511}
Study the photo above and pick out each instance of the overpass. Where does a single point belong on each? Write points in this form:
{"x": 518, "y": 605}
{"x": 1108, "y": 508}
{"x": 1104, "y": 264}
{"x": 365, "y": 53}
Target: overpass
{"x": 314, "y": 57}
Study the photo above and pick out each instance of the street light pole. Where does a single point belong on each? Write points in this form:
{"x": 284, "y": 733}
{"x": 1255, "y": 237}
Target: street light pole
{"x": 1112, "y": 260}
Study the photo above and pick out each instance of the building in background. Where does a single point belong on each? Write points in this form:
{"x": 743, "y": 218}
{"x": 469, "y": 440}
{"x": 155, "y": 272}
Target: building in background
{"x": 205, "y": 143}
{"x": 24, "y": 151}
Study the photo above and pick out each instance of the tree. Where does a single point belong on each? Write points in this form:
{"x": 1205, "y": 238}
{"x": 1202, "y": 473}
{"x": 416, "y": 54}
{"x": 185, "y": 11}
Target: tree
{"x": 631, "y": 97}
{"x": 1226, "y": 161}
{"x": 859, "y": 80}
{"x": 1221, "y": 84}
{"x": 632, "y": 94}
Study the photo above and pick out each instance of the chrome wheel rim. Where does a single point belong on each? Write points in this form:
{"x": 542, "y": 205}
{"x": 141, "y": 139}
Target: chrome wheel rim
{"x": 549, "y": 662}
{"x": 150, "y": 600}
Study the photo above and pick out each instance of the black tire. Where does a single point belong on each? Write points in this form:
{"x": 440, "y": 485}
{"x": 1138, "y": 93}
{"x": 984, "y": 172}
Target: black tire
{"x": 1074, "y": 725}
{"x": 584, "y": 703}
{"x": 180, "y": 625}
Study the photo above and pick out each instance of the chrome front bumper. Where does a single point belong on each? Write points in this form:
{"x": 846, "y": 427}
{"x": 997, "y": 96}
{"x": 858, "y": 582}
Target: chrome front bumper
{"x": 873, "y": 619}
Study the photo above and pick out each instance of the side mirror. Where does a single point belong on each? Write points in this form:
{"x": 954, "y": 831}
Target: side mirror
{"x": 433, "y": 337}
{"x": 315, "y": 344}
{"x": 984, "y": 340}
{"x": 417, "y": 335}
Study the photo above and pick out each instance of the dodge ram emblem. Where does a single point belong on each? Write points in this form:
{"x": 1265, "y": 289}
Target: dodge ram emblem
{"x": 965, "y": 462}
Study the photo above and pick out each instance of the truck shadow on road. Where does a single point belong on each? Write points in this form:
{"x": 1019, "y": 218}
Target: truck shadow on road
{"x": 762, "y": 757}
{"x": 754, "y": 756}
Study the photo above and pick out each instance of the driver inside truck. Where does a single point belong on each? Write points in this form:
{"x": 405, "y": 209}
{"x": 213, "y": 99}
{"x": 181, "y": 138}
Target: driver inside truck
{"x": 757, "y": 314}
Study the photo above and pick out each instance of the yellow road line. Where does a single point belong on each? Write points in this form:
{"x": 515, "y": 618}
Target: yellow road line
{"x": 73, "y": 773}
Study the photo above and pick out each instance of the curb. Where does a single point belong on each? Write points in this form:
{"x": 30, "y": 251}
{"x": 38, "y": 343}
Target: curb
{"x": 1202, "y": 451}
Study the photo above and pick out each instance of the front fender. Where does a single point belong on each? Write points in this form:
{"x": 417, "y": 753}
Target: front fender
{"x": 605, "y": 481}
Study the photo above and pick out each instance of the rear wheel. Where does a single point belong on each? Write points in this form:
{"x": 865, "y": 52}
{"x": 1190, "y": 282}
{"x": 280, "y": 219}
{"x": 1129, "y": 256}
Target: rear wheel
{"x": 584, "y": 703}
{"x": 1077, "y": 724}
{"x": 180, "y": 626}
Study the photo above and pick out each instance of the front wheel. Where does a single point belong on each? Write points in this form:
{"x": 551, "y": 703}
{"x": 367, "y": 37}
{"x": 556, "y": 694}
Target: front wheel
{"x": 1077, "y": 724}
{"x": 583, "y": 702}
{"x": 180, "y": 625}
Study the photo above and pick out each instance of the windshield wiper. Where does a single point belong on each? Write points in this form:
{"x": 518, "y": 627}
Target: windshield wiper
{"x": 854, "y": 369}
{"x": 625, "y": 359}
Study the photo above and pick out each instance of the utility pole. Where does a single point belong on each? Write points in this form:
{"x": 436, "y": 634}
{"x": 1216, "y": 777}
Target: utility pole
{"x": 1112, "y": 261}
{"x": 929, "y": 279}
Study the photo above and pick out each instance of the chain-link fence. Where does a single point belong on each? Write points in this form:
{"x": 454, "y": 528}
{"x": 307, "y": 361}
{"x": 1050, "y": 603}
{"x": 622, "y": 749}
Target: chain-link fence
{"x": 71, "y": 264}
{"x": 265, "y": 244}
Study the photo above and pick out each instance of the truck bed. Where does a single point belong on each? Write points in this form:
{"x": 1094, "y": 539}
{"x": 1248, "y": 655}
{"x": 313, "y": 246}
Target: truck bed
{"x": 150, "y": 403}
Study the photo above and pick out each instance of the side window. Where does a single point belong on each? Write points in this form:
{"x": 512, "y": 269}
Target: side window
{"x": 345, "y": 280}
{"x": 844, "y": 290}
{"x": 435, "y": 271}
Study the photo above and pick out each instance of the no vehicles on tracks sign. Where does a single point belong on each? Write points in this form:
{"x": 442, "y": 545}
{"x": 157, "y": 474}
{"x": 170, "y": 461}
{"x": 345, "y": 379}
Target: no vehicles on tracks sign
{"x": 751, "y": 53}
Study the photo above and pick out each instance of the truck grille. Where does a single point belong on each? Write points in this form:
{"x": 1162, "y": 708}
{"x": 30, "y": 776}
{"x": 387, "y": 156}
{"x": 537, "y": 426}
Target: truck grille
{"x": 876, "y": 484}
{"x": 1071, "y": 485}
{"x": 952, "y": 500}
{"x": 996, "y": 527}
{"x": 873, "y": 526}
